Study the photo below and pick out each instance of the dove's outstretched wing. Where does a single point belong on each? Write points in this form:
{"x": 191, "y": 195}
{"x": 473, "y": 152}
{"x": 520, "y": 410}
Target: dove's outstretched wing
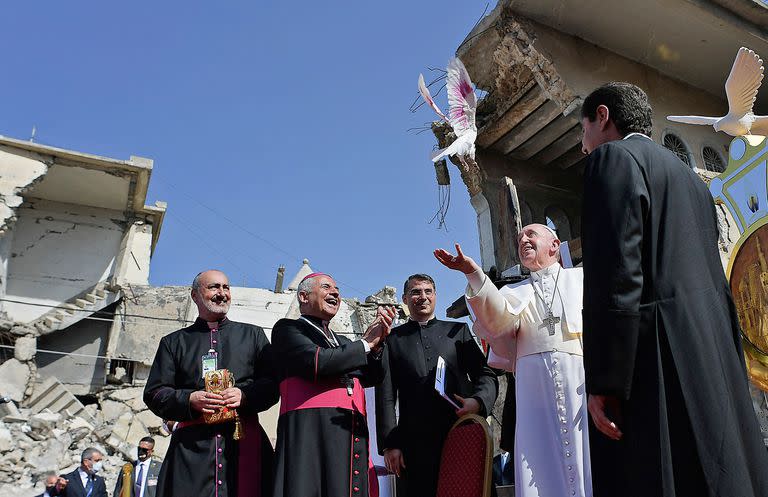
{"x": 694, "y": 119}
{"x": 461, "y": 98}
{"x": 760, "y": 126}
{"x": 743, "y": 82}
{"x": 428, "y": 97}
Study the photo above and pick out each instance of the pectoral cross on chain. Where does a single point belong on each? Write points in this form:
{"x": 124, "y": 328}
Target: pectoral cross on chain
{"x": 550, "y": 320}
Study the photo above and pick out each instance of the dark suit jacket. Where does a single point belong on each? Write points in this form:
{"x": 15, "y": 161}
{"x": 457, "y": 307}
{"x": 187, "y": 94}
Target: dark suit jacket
{"x": 150, "y": 480}
{"x": 506, "y": 475}
{"x": 75, "y": 486}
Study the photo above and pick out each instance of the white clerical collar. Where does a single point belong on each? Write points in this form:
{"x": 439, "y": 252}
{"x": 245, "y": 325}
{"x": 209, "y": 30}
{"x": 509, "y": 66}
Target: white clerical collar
{"x": 635, "y": 133}
{"x": 550, "y": 270}
{"x": 423, "y": 323}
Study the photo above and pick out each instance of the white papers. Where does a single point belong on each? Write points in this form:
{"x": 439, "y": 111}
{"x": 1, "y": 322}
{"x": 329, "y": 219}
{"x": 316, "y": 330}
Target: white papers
{"x": 441, "y": 381}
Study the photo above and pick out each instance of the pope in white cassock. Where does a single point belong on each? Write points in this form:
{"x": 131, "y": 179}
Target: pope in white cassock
{"x": 534, "y": 330}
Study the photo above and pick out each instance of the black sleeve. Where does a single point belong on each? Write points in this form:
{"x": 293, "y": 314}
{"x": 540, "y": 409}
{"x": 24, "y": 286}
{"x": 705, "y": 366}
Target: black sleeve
{"x": 485, "y": 384}
{"x": 615, "y": 204}
{"x": 299, "y": 356}
{"x": 160, "y": 393}
{"x": 260, "y": 392}
{"x": 373, "y": 372}
{"x": 387, "y": 431}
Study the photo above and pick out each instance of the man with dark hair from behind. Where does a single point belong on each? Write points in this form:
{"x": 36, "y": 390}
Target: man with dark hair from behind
{"x": 664, "y": 365}
{"x": 412, "y": 444}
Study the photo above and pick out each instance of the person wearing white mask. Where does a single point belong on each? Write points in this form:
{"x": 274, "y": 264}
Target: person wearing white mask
{"x": 84, "y": 481}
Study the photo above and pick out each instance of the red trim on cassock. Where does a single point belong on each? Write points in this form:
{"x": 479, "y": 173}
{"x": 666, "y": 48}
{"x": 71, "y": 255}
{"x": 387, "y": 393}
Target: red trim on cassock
{"x": 317, "y": 355}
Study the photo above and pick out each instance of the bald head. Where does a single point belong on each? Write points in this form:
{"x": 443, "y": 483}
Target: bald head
{"x": 210, "y": 292}
{"x": 537, "y": 246}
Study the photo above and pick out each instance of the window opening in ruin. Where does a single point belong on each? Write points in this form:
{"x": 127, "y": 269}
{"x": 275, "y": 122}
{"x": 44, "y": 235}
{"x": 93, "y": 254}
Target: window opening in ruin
{"x": 121, "y": 371}
{"x": 6, "y": 353}
{"x": 712, "y": 160}
{"x": 551, "y": 224}
{"x": 677, "y": 146}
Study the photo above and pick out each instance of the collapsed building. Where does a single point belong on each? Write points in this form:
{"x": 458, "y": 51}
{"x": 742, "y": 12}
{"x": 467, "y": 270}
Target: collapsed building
{"x": 79, "y": 322}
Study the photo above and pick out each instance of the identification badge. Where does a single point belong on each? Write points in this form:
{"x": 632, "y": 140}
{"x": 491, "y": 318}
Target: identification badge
{"x": 151, "y": 482}
{"x": 210, "y": 362}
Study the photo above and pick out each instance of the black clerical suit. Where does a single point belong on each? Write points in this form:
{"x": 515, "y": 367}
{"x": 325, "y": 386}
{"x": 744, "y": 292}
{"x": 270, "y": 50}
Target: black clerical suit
{"x": 203, "y": 459}
{"x": 410, "y": 359}
{"x": 75, "y": 486}
{"x": 661, "y": 332}
{"x": 321, "y": 451}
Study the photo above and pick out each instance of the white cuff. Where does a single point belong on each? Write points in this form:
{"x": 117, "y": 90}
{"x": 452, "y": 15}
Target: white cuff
{"x": 475, "y": 281}
{"x": 366, "y": 345}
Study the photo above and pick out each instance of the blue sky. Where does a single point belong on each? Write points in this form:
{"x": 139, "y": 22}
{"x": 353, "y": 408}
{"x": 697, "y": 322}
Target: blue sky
{"x": 278, "y": 129}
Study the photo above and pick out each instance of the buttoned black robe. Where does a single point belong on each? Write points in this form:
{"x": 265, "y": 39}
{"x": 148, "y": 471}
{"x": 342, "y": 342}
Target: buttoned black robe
{"x": 410, "y": 360}
{"x": 661, "y": 332}
{"x": 190, "y": 465}
{"x": 316, "y": 448}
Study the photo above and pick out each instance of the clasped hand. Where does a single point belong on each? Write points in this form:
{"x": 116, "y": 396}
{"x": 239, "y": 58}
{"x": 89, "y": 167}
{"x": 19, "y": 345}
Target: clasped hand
{"x": 378, "y": 330}
{"x": 209, "y": 403}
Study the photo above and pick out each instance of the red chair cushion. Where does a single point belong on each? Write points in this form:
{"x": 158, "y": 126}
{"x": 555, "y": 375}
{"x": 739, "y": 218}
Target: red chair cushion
{"x": 462, "y": 465}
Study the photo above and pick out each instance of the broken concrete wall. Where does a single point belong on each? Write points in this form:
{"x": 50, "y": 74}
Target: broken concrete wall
{"x": 81, "y": 374}
{"x": 135, "y": 252}
{"x": 59, "y": 251}
{"x": 584, "y": 66}
{"x": 18, "y": 173}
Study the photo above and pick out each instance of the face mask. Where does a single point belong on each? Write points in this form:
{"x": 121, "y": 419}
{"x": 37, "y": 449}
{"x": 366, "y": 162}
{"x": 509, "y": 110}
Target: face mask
{"x": 143, "y": 454}
{"x": 97, "y": 466}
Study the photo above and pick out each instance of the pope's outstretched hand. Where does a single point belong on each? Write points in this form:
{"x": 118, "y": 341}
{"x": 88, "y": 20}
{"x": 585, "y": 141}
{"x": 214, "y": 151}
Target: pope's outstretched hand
{"x": 458, "y": 262}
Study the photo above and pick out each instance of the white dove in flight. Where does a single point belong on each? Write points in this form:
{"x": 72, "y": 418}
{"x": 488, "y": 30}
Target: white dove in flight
{"x": 741, "y": 90}
{"x": 462, "y": 104}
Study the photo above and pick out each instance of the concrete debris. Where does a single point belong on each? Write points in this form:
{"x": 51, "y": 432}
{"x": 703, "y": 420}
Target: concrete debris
{"x": 34, "y": 442}
{"x": 15, "y": 375}
{"x": 25, "y": 347}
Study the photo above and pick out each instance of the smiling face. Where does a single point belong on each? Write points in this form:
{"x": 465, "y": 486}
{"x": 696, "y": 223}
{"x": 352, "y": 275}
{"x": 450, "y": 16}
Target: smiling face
{"x": 420, "y": 297}
{"x": 322, "y": 300}
{"x": 212, "y": 295}
{"x": 537, "y": 247}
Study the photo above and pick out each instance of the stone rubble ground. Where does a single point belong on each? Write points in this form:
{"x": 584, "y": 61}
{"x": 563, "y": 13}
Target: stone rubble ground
{"x": 32, "y": 445}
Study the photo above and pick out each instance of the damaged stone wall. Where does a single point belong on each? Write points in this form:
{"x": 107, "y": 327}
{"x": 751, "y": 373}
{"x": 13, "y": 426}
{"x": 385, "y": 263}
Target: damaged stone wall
{"x": 59, "y": 251}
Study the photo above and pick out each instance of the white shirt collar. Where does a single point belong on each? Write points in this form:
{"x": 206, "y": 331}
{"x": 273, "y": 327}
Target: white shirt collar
{"x": 550, "y": 270}
{"x": 632, "y": 134}
{"x": 423, "y": 323}
{"x": 83, "y": 476}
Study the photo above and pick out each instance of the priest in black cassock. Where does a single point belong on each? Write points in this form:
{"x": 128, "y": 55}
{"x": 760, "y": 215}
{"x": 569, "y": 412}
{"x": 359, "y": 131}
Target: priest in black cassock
{"x": 322, "y": 435}
{"x": 664, "y": 366}
{"x": 204, "y": 460}
{"x": 412, "y": 445}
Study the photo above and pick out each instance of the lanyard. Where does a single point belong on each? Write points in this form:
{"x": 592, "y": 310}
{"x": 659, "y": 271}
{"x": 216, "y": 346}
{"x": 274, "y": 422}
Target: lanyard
{"x": 331, "y": 341}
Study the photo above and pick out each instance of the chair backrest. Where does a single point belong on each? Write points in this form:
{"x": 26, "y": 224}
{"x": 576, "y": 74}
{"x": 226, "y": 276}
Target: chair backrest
{"x": 465, "y": 464}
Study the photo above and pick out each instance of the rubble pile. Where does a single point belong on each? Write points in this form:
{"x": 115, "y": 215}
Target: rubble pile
{"x": 35, "y": 444}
